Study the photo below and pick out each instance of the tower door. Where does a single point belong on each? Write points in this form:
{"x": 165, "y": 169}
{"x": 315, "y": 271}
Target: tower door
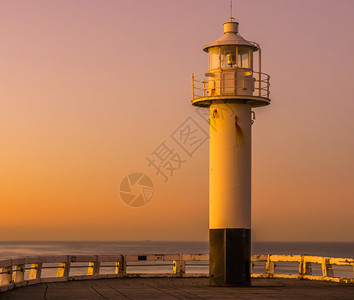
{"x": 228, "y": 83}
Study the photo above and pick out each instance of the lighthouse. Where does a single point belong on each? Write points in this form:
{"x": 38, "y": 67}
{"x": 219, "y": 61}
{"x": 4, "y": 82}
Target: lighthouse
{"x": 231, "y": 88}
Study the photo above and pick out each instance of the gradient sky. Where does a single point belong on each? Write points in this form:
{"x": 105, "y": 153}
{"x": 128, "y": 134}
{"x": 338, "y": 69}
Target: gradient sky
{"x": 89, "y": 89}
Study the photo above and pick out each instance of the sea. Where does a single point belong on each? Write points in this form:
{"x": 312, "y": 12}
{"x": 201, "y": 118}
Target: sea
{"x": 15, "y": 249}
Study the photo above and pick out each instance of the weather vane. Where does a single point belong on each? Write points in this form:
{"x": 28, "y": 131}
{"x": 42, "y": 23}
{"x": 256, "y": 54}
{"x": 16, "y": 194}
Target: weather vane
{"x": 231, "y": 17}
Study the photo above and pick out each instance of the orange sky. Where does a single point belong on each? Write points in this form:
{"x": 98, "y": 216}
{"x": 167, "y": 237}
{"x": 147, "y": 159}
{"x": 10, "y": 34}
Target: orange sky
{"x": 88, "y": 89}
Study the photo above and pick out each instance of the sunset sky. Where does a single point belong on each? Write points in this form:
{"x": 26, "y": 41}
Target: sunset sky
{"x": 90, "y": 88}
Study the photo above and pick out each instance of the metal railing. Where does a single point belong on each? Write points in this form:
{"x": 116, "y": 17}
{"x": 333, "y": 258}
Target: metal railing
{"x": 304, "y": 267}
{"x": 201, "y": 85}
{"x": 32, "y": 270}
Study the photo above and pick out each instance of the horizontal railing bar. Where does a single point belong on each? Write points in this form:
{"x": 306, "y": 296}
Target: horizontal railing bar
{"x": 342, "y": 270}
{"x": 150, "y": 265}
{"x": 287, "y": 266}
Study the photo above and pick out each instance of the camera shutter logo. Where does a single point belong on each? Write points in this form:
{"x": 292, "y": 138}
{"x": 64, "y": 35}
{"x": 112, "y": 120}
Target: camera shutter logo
{"x": 136, "y": 190}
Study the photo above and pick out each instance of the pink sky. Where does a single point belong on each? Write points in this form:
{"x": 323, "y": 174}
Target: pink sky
{"x": 88, "y": 89}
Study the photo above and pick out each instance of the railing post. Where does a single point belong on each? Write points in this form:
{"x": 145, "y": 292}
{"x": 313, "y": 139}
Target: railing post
{"x": 182, "y": 269}
{"x": 63, "y": 269}
{"x": 268, "y": 86}
{"x": 327, "y": 270}
{"x": 19, "y": 273}
{"x": 60, "y": 271}
{"x": 179, "y": 267}
{"x": 270, "y": 267}
{"x": 204, "y": 88}
{"x": 93, "y": 268}
{"x": 90, "y": 268}
{"x": 259, "y": 85}
{"x": 121, "y": 268}
{"x": 36, "y": 271}
{"x": 259, "y": 70}
{"x": 305, "y": 267}
{"x": 192, "y": 85}
{"x": 175, "y": 267}
{"x": 6, "y": 275}
{"x": 302, "y": 270}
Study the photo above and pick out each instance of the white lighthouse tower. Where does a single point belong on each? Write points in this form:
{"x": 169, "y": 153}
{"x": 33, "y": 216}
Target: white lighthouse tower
{"x": 230, "y": 89}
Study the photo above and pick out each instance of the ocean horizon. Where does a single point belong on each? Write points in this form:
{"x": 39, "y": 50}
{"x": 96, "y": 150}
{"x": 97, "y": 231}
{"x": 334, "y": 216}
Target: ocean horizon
{"x": 15, "y": 249}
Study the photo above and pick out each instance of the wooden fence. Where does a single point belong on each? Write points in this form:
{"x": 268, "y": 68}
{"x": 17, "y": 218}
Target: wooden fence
{"x": 32, "y": 270}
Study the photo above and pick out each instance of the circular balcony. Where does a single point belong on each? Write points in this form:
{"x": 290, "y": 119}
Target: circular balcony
{"x": 250, "y": 88}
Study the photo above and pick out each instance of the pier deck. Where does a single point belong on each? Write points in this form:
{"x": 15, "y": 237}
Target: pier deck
{"x": 181, "y": 288}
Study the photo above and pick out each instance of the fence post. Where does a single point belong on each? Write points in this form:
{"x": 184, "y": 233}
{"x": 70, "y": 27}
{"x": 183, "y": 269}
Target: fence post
{"x": 36, "y": 271}
{"x": 259, "y": 70}
{"x": 64, "y": 269}
{"x": 121, "y": 266}
{"x": 270, "y": 267}
{"x": 175, "y": 267}
{"x": 192, "y": 85}
{"x": 93, "y": 268}
{"x": 6, "y": 275}
{"x": 327, "y": 270}
{"x": 60, "y": 271}
{"x": 268, "y": 87}
{"x": 305, "y": 267}
{"x": 90, "y": 268}
{"x": 302, "y": 270}
{"x": 182, "y": 269}
{"x": 19, "y": 273}
{"x": 179, "y": 266}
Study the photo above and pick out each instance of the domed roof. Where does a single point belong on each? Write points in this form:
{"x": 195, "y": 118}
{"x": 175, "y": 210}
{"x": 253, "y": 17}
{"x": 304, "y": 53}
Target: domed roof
{"x": 230, "y": 37}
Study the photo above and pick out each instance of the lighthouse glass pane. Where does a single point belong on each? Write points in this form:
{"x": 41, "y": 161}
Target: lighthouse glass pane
{"x": 245, "y": 61}
{"x": 243, "y": 57}
{"x": 228, "y": 57}
{"x": 214, "y": 58}
{"x": 239, "y": 61}
{"x": 242, "y": 60}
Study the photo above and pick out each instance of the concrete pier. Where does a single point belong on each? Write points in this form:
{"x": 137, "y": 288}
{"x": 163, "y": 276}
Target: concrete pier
{"x": 181, "y": 288}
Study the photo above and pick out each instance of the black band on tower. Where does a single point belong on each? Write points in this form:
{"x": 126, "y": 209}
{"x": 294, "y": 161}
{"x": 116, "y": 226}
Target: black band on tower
{"x": 230, "y": 257}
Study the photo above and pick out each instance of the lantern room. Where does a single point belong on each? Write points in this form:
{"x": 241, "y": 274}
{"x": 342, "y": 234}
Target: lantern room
{"x": 231, "y": 71}
{"x": 231, "y": 50}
